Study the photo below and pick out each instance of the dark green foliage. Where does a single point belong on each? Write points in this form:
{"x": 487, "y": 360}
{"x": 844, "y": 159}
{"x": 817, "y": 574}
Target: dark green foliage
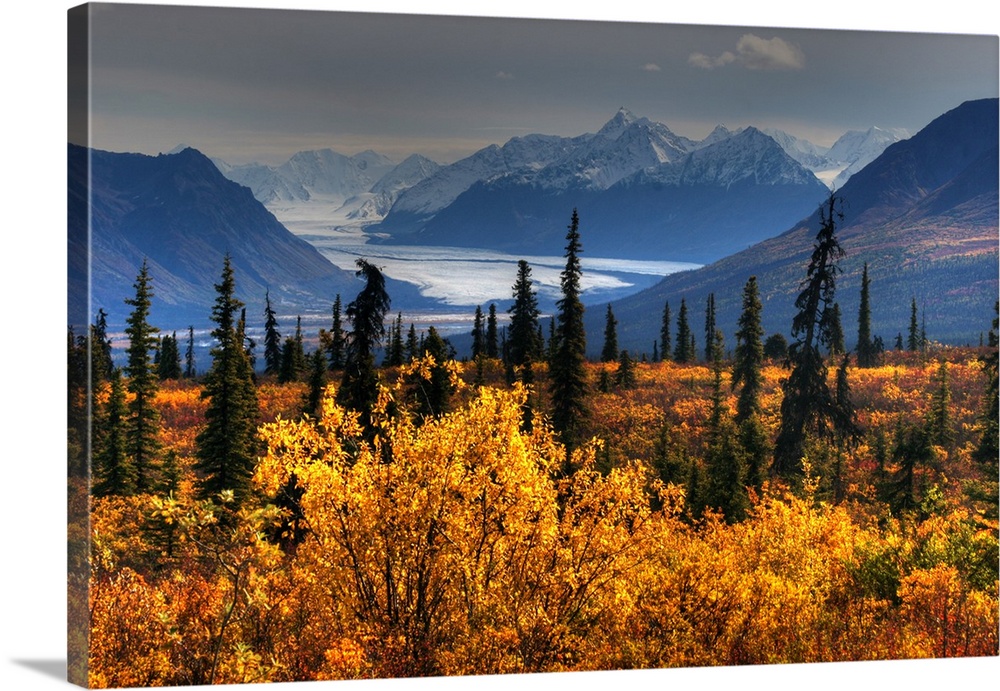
{"x": 336, "y": 347}
{"x": 169, "y": 366}
{"x": 317, "y": 384}
{"x": 101, "y": 363}
{"x": 914, "y": 341}
{"x": 939, "y": 426}
{"x": 709, "y": 327}
{"x": 170, "y": 480}
{"x": 273, "y": 356}
{"x": 808, "y": 405}
{"x": 604, "y": 382}
{"x": 844, "y": 423}
{"x": 683, "y": 351}
{"x": 522, "y": 337}
{"x": 142, "y": 436}
{"x": 987, "y": 452}
{"x": 359, "y": 387}
{"x": 478, "y": 333}
{"x": 226, "y": 448}
{"x": 78, "y": 412}
{"x": 492, "y": 344}
{"x": 670, "y": 461}
{"x": 911, "y": 451}
{"x": 836, "y": 344}
{"x": 665, "y": 333}
{"x": 867, "y": 354}
{"x": 748, "y": 359}
{"x": 725, "y": 470}
{"x": 189, "y": 365}
{"x": 756, "y": 451}
{"x": 776, "y": 347}
{"x": 395, "y": 354}
{"x": 610, "y": 351}
{"x": 412, "y": 343}
{"x": 625, "y": 376}
{"x": 899, "y": 341}
{"x": 114, "y": 472}
{"x": 569, "y": 377}
{"x": 288, "y": 372}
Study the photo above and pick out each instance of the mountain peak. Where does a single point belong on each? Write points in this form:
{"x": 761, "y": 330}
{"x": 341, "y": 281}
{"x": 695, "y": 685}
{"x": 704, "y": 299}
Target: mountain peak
{"x": 618, "y": 124}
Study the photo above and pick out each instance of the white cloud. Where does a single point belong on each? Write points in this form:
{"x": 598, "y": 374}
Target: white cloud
{"x": 506, "y": 76}
{"x": 651, "y": 67}
{"x": 755, "y": 53}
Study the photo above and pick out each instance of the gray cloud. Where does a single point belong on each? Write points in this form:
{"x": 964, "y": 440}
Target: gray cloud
{"x": 755, "y": 53}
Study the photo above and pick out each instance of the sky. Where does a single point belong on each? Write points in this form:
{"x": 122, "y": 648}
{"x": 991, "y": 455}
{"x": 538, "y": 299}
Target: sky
{"x": 259, "y": 85}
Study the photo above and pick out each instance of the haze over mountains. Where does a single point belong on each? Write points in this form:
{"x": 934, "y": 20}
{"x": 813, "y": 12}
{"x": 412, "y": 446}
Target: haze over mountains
{"x": 923, "y": 215}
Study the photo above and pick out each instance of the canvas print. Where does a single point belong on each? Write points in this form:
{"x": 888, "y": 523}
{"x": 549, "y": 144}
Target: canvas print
{"x": 421, "y": 346}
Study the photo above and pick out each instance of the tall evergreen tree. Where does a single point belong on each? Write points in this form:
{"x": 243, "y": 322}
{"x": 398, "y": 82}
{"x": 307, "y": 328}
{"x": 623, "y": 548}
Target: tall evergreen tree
{"x": 226, "y": 448}
{"x": 610, "y": 351}
{"x": 492, "y": 342}
{"x": 412, "y": 343}
{"x": 359, "y": 388}
{"x": 169, "y": 366}
{"x": 522, "y": 339}
{"x": 748, "y": 360}
{"x": 913, "y": 343}
{"x": 478, "y": 333}
{"x": 939, "y": 425}
{"x": 987, "y": 453}
{"x": 299, "y": 352}
{"x": 396, "y": 353}
{"x": 709, "y": 327}
{"x": 568, "y": 380}
{"x": 866, "y": 354}
{"x": 114, "y": 472}
{"x": 725, "y": 465}
{"x": 272, "y": 338}
{"x": 665, "y": 347}
{"x": 625, "y": 376}
{"x": 317, "y": 383}
{"x": 434, "y": 394}
{"x": 101, "y": 363}
{"x": 336, "y": 351}
{"x": 142, "y": 437}
{"x": 836, "y": 344}
{"x": 808, "y": 405}
{"x": 189, "y": 365}
{"x": 683, "y": 352}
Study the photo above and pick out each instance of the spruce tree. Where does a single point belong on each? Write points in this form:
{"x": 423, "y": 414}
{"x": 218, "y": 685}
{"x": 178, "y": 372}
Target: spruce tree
{"x": 114, "y": 472}
{"x": 359, "y": 387}
{"x": 101, "y": 363}
{"x": 412, "y": 344}
{"x": 288, "y": 372}
{"x": 317, "y": 384}
{"x": 142, "y": 436}
{"x": 665, "y": 333}
{"x": 683, "y": 352}
{"x": 913, "y": 342}
{"x": 748, "y": 359}
{"x": 226, "y": 448}
{"x": 709, "y": 327}
{"x": 522, "y": 340}
{"x": 610, "y": 351}
{"x": 836, "y": 345}
{"x": 808, "y": 405}
{"x": 299, "y": 352}
{"x": 625, "y": 376}
{"x": 492, "y": 343}
{"x": 568, "y": 380}
{"x": 866, "y": 354}
{"x": 272, "y": 338}
{"x": 169, "y": 366}
{"x": 987, "y": 453}
{"x": 434, "y": 394}
{"x": 478, "y": 334}
{"x": 396, "y": 354}
{"x": 939, "y": 425}
{"x": 189, "y": 365}
{"x": 336, "y": 349}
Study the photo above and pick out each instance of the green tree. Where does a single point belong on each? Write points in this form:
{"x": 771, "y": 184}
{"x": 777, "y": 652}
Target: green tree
{"x": 610, "y": 351}
{"x": 776, "y": 347}
{"x": 142, "y": 436}
{"x": 169, "y": 366}
{"x": 272, "y": 338}
{"x": 914, "y": 342}
{"x": 359, "y": 387}
{"x": 665, "y": 333}
{"x": 189, "y": 365}
{"x": 114, "y": 472}
{"x": 478, "y": 334}
{"x": 395, "y": 354}
{"x": 226, "y": 448}
{"x": 683, "y": 352}
{"x": 748, "y": 359}
{"x": 986, "y": 453}
{"x": 709, "y": 327}
{"x": 522, "y": 338}
{"x": 336, "y": 348}
{"x": 492, "y": 343}
{"x": 939, "y": 425}
{"x": 317, "y": 383}
{"x": 836, "y": 344}
{"x": 625, "y": 376}
{"x": 568, "y": 379}
{"x": 808, "y": 404}
{"x": 434, "y": 393}
{"x": 101, "y": 363}
{"x": 866, "y": 353}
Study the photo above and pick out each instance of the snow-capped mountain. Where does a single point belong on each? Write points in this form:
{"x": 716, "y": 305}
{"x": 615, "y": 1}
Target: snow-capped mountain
{"x": 856, "y": 149}
{"x": 810, "y": 155}
{"x": 638, "y": 188}
{"x": 383, "y": 194}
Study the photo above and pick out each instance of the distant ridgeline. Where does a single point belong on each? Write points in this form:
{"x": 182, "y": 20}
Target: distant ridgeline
{"x": 923, "y": 216}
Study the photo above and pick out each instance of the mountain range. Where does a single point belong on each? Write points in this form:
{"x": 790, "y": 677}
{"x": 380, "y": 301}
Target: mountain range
{"x": 179, "y": 213}
{"x": 632, "y": 175}
{"x": 923, "y": 216}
